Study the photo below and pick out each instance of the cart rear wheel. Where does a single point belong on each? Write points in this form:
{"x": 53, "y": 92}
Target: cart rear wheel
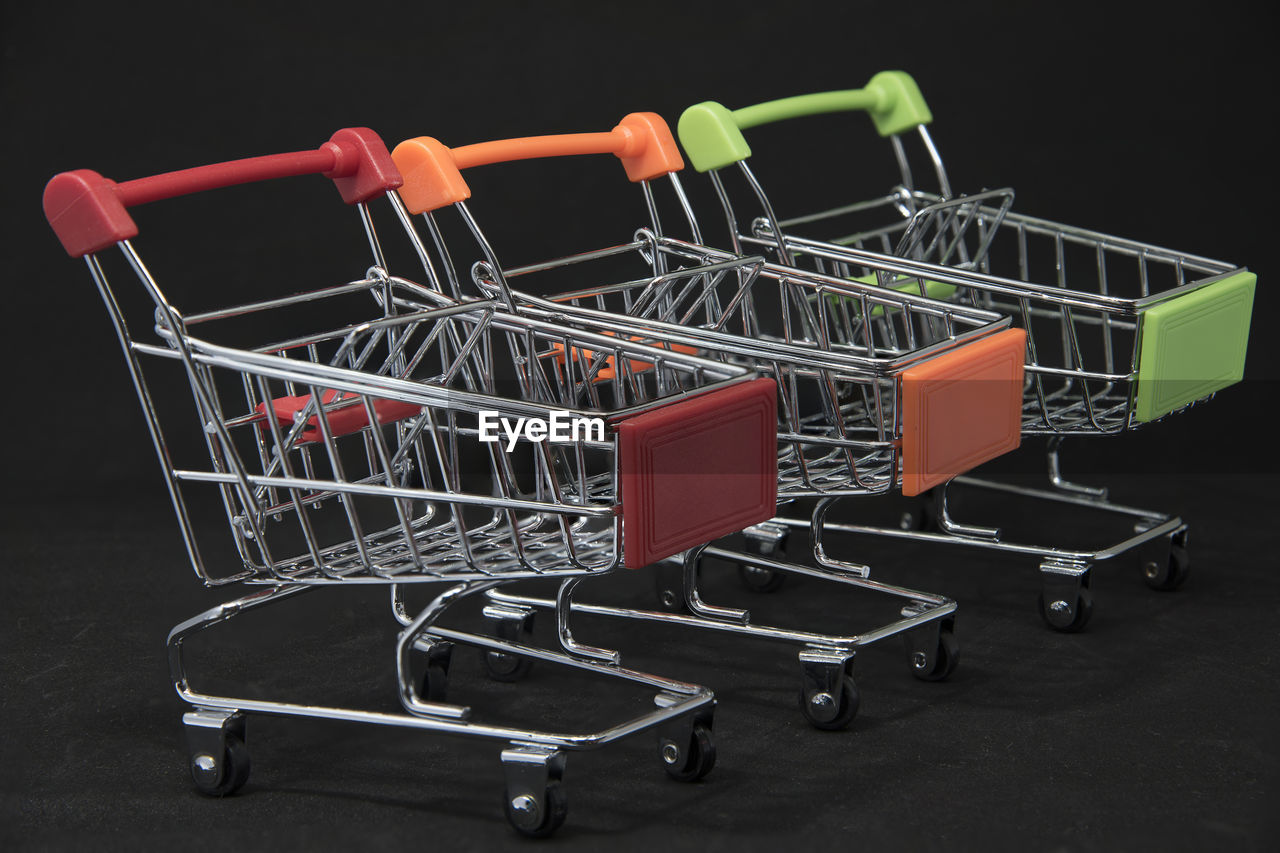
{"x": 760, "y": 579}
{"x": 506, "y": 667}
{"x": 948, "y": 656}
{"x": 831, "y": 713}
{"x": 700, "y": 757}
{"x": 668, "y": 586}
{"x": 235, "y": 769}
{"x": 435, "y": 680}
{"x": 922, "y": 517}
{"x": 1080, "y": 618}
{"x": 1168, "y": 574}
{"x": 529, "y": 818}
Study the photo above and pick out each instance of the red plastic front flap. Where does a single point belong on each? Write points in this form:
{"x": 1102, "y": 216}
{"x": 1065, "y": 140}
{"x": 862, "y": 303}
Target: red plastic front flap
{"x": 961, "y": 409}
{"x": 698, "y": 469}
{"x": 342, "y": 421}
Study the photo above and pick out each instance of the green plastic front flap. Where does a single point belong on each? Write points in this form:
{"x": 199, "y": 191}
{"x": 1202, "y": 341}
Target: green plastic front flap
{"x": 1193, "y": 345}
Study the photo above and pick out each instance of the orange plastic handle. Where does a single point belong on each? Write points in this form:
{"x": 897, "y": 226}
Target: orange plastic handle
{"x": 432, "y": 171}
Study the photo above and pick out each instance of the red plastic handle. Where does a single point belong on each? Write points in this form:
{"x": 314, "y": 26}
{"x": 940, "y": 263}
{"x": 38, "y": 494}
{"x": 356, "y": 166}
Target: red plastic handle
{"x": 432, "y": 171}
{"x": 88, "y": 212}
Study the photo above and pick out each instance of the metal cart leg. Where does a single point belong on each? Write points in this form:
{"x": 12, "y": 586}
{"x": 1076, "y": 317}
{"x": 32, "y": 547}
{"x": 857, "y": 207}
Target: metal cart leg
{"x": 1056, "y": 480}
{"x": 534, "y": 759}
{"x": 1066, "y": 602}
{"x": 828, "y": 694}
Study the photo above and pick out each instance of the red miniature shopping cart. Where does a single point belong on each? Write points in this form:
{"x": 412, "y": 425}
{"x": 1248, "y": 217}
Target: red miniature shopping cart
{"x": 342, "y": 432}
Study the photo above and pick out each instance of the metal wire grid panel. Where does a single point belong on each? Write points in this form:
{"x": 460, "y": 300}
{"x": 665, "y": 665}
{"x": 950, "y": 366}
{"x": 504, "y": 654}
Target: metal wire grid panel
{"x": 1079, "y": 294}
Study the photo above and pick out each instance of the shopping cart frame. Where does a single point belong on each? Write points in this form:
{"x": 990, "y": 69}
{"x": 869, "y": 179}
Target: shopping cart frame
{"x": 829, "y": 695}
{"x": 89, "y": 213}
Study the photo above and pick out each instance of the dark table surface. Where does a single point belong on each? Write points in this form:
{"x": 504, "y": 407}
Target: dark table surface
{"x": 1155, "y": 728}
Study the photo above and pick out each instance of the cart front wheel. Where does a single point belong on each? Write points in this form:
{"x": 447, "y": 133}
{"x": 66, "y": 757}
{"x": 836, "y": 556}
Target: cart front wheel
{"x": 235, "y": 769}
{"x": 537, "y": 820}
{"x": 697, "y": 760}
{"x": 831, "y": 712}
{"x": 1068, "y": 623}
{"x": 944, "y": 663}
{"x": 1168, "y": 574}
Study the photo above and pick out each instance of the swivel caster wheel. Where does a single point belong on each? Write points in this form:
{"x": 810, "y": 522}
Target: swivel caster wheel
{"x": 537, "y": 817}
{"x": 534, "y": 801}
{"x": 434, "y": 686}
{"x": 514, "y": 627}
{"x": 760, "y": 579}
{"x": 834, "y": 710}
{"x": 1172, "y": 572}
{"x": 1066, "y": 617}
{"x": 692, "y": 762}
{"x": 221, "y": 776}
{"x": 506, "y": 667}
{"x": 945, "y": 659}
{"x": 767, "y": 540}
{"x": 923, "y": 517}
{"x": 668, "y": 587}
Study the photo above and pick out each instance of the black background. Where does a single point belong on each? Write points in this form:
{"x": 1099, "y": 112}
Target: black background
{"x": 1155, "y": 123}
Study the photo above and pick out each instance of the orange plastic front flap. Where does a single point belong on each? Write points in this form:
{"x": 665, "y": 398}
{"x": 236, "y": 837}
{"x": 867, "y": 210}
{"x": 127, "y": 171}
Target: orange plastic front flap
{"x": 698, "y": 469}
{"x": 431, "y": 177}
{"x": 961, "y": 409}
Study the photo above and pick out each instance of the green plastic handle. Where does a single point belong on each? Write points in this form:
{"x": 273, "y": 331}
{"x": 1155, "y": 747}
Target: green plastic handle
{"x": 712, "y": 134}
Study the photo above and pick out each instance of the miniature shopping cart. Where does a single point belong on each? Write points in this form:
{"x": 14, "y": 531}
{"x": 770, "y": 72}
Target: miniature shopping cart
{"x": 876, "y": 388}
{"x": 345, "y": 443}
{"x": 1119, "y": 333}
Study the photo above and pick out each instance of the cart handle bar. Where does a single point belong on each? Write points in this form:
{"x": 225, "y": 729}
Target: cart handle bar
{"x": 712, "y": 134}
{"x": 88, "y": 212}
{"x": 432, "y": 170}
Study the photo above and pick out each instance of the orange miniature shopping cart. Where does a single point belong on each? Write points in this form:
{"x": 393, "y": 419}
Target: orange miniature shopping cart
{"x": 879, "y": 390}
